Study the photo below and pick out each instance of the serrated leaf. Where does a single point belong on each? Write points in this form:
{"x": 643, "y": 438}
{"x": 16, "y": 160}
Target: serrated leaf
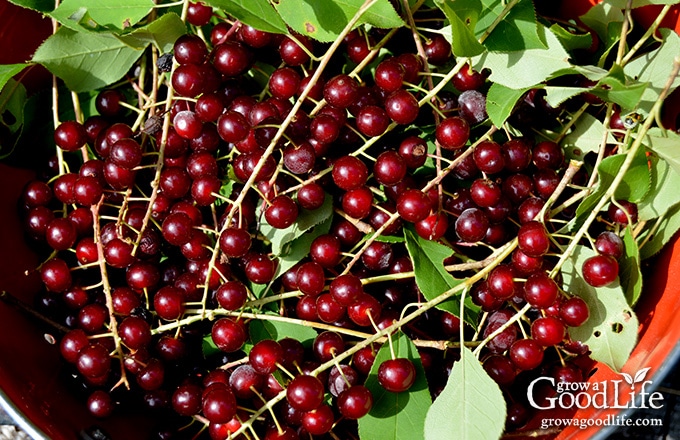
{"x": 396, "y": 416}
{"x": 629, "y": 268}
{"x": 85, "y": 61}
{"x": 305, "y": 221}
{"x": 120, "y": 14}
{"x": 526, "y": 68}
{"x": 462, "y": 20}
{"x": 261, "y": 329}
{"x": 665, "y": 144}
{"x": 431, "y": 276}
{"x": 162, "y": 32}
{"x": 655, "y": 68}
{"x": 556, "y": 95}
{"x": 626, "y": 95}
{"x": 611, "y": 329}
{"x": 571, "y": 41}
{"x": 587, "y": 135}
{"x": 500, "y": 101}
{"x": 259, "y": 14}
{"x": 517, "y": 31}
{"x": 470, "y": 407}
{"x": 663, "y": 193}
{"x": 324, "y": 21}
{"x": 36, "y": 5}
{"x": 7, "y": 71}
{"x": 668, "y": 226}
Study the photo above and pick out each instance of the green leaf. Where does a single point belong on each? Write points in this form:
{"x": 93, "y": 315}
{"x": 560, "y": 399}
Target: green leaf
{"x": 299, "y": 248}
{"x": 162, "y": 33}
{"x": 666, "y": 229}
{"x": 571, "y": 41}
{"x": 525, "y": 68}
{"x": 120, "y": 14}
{"x": 208, "y": 346}
{"x": 600, "y": 17}
{"x": 556, "y": 95}
{"x": 500, "y": 101}
{"x": 396, "y": 416}
{"x": 629, "y": 274}
{"x": 663, "y": 194}
{"x": 305, "y": 221}
{"x": 626, "y": 95}
{"x": 36, "y": 5}
{"x": 586, "y": 137}
{"x": 431, "y": 276}
{"x": 470, "y": 407}
{"x": 517, "y": 31}
{"x": 655, "y": 68}
{"x": 259, "y": 14}
{"x": 7, "y": 71}
{"x": 462, "y": 22}
{"x": 85, "y": 61}
{"x": 665, "y": 144}
{"x": 611, "y": 330}
{"x": 325, "y": 20}
{"x": 13, "y": 99}
{"x": 261, "y": 329}
{"x": 634, "y": 187}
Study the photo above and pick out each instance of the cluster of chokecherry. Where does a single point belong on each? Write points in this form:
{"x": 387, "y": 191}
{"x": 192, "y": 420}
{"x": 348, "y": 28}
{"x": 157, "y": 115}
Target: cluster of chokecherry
{"x": 154, "y": 236}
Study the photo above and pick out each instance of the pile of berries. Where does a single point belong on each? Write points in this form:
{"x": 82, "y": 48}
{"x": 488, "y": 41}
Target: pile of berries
{"x": 159, "y": 250}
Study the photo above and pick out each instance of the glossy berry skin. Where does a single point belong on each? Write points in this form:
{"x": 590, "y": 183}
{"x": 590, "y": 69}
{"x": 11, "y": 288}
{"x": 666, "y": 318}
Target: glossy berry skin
{"x": 282, "y": 212}
{"x": 600, "y": 270}
{"x": 228, "y": 335}
{"x": 231, "y": 295}
{"x": 402, "y": 107}
{"x": 235, "y": 242}
{"x": 397, "y": 375}
{"x": 341, "y": 91}
{"x": 349, "y": 173}
{"x": 608, "y": 243}
{"x": 318, "y": 421}
{"x": 452, "y": 133}
{"x": 305, "y": 392}
{"x": 135, "y": 332}
{"x": 548, "y": 331}
{"x": 56, "y": 275}
{"x": 540, "y": 290}
{"x": 260, "y": 269}
{"x": 471, "y": 225}
{"x": 70, "y": 135}
{"x": 413, "y": 205}
{"x": 372, "y": 120}
{"x": 574, "y": 312}
{"x": 533, "y": 239}
{"x": 265, "y": 356}
{"x": 526, "y": 354}
{"x": 100, "y": 404}
{"x": 219, "y": 404}
{"x": 355, "y": 402}
{"x": 623, "y": 213}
